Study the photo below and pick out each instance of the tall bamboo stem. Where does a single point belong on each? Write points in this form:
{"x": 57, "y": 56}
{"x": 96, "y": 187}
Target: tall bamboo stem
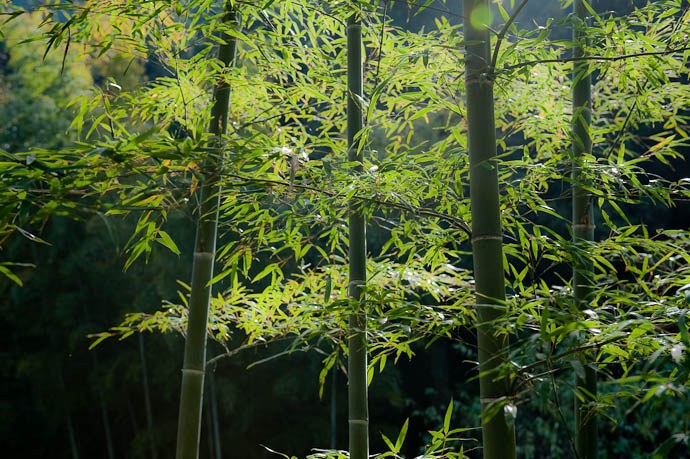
{"x": 68, "y": 417}
{"x": 106, "y": 426}
{"x": 147, "y": 397}
{"x": 215, "y": 422}
{"x": 583, "y": 226}
{"x": 358, "y": 411}
{"x": 487, "y": 240}
{"x": 334, "y": 407}
{"x": 191, "y": 398}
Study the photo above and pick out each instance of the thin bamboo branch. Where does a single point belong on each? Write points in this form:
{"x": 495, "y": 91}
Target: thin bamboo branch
{"x": 237, "y": 350}
{"x": 457, "y": 222}
{"x": 584, "y": 348}
{"x": 502, "y": 33}
{"x": 595, "y": 58}
{"x": 381, "y": 36}
{"x": 557, "y": 400}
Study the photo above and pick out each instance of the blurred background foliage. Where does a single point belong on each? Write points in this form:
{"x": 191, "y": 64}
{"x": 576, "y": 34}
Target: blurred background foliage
{"x": 33, "y": 91}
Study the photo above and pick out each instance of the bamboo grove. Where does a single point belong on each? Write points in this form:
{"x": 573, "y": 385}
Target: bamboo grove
{"x": 321, "y": 142}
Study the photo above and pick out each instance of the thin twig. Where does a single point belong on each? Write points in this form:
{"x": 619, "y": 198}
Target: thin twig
{"x": 502, "y": 34}
{"x": 257, "y": 120}
{"x": 184, "y": 101}
{"x": 560, "y": 411}
{"x": 595, "y": 58}
{"x": 455, "y": 221}
{"x": 574, "y": 350}
{"x": 241, "y": 348}
{"x": 622, "y": 131}
{"x": 381, "y": 35}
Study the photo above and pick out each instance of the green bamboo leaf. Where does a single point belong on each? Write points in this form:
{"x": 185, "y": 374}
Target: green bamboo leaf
{"x": 264, "y": 272}
{"x": 682, "y": 327}
{"x": 10, "y": 275}
{"x": 543, "y": 324}
{"x": 423, "y": 6}
{"x": 136, "y": 251}
{"x": 165, "y": 239}
{"x": 621, "y": 154}
{"x": 220, "y": 276}
{"x": 401, "y": 436}
{"x": 447, "y": 417}
{"x": 388, "y": 442}
{"x": 615, "y": 350}
{"x": 100, "y": 339}
{"x": 650, "y": 393}
{"x": 503, "y": 12}
{"x": 590, "y": 9}
{"x": 327, "y": 290}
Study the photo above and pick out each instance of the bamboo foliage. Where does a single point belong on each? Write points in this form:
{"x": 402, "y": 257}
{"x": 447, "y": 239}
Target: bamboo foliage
{"x": 582, "y": 228}
{"x": 287, "y": 205}
{"x": 194, "y": 366}
{"x": 358, "y": 411}
{"x": 498, "y": 436}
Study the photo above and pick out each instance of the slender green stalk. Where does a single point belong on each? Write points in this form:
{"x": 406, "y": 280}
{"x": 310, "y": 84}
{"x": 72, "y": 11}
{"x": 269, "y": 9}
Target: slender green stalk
{"x": 106, "y": 426}
{"x": 215, "y": 423}
{"x": 334, "y": 407}
{"x": 72, "y": 438}
{"x": 194, "y": 366}
{"x": 487, "y": 241}
{"x": 147, "y": 397}
{"x": 101, "y": 399}
{"x": 358, "y": 411}
{"x": 68, "y": 417}
{"x": 583, "y": 227}
{"x": 209, "y": 432}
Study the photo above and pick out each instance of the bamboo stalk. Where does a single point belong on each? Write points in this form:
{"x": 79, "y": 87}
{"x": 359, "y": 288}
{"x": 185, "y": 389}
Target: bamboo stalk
{"x": 147, "y": 398}
{"x": 583, "y": 227}
{"x": 358, "y": 412}
{"x": 72, "y": 438}
{"x": 191, "y": 398}
{"x": 209, "y": 431}
{"x": 106, "y": 426}
{"x": 215, "y": 422}
{"x": 487, "y": 240}
{"x": 334, "y": 407}
{"x": 74, "y": 448}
